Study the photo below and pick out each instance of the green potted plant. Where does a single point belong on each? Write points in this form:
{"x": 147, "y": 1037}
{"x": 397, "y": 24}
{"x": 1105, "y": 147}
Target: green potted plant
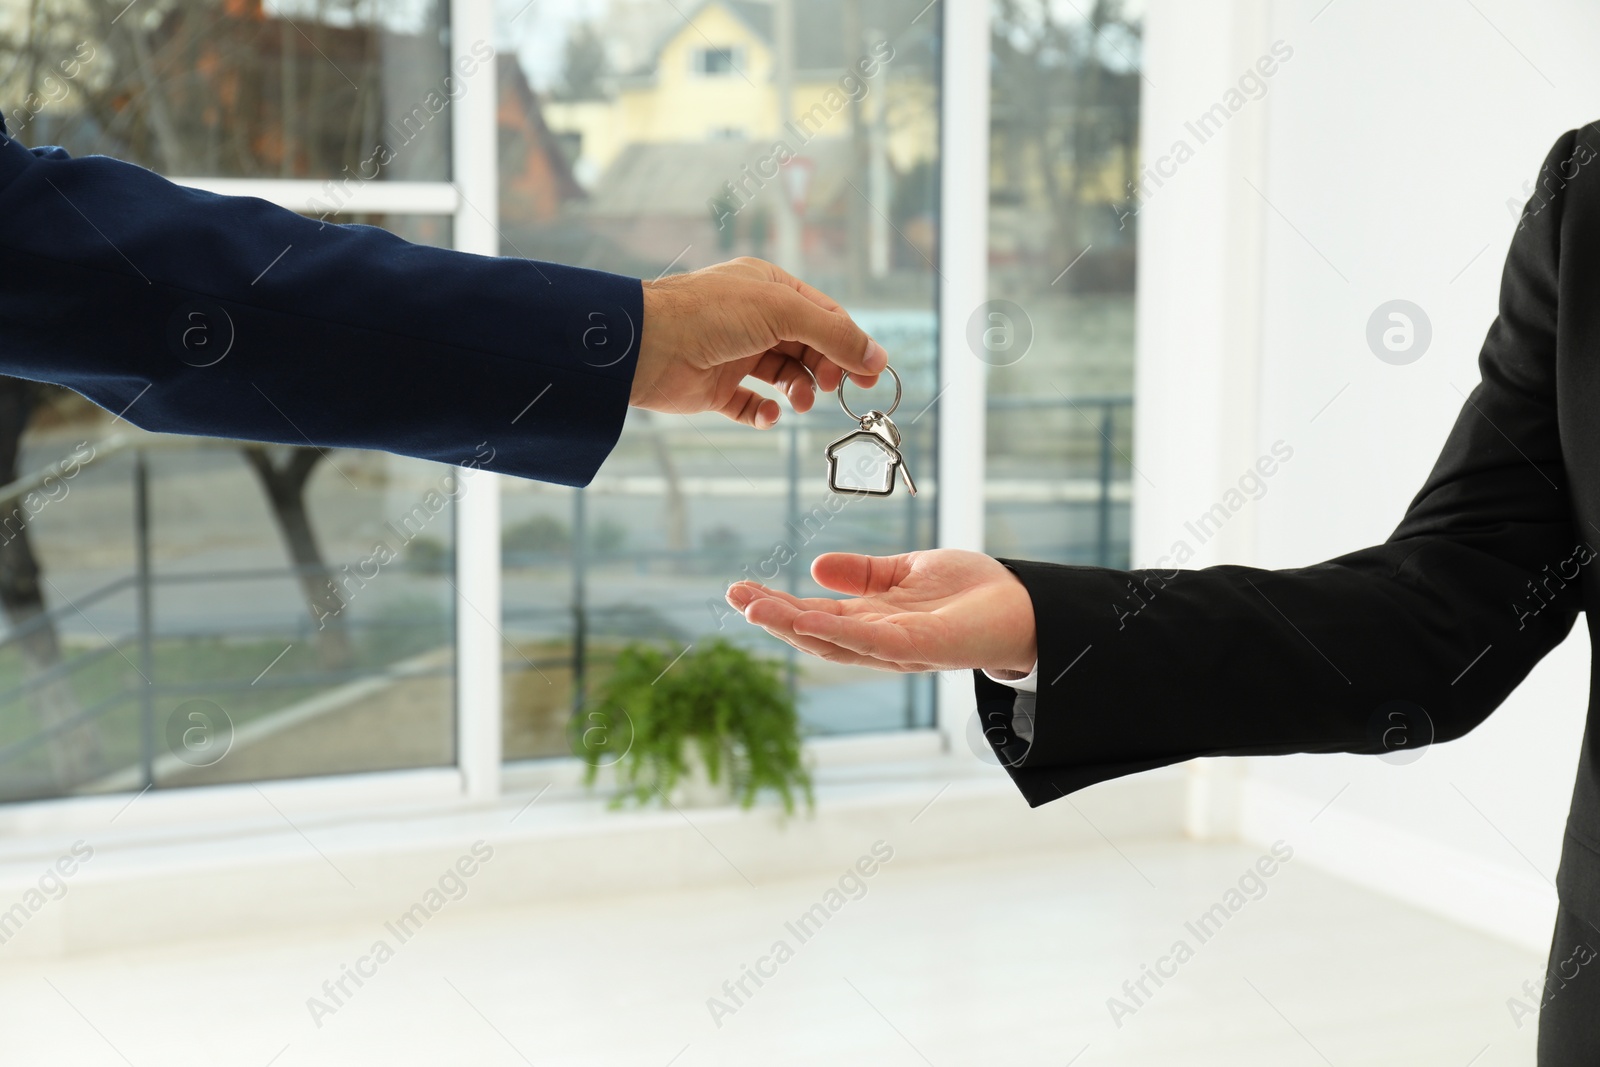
{"x": 716, "y": 715}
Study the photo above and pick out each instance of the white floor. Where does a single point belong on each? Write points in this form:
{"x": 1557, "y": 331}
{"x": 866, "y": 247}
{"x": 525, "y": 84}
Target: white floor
{"x": 1009, "y": 961}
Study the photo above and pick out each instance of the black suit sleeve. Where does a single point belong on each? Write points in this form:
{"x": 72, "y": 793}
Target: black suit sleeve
{"x": 1420, "y": 637}
{"x": 187, "y": 312}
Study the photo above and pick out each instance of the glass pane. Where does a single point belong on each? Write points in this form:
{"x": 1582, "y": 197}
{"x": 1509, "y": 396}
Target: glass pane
{"x": 1057, "y": 331}
{"x": 266, "y": 613}
{"x": 355, "y": 89}
{"x": 651, "y": 137}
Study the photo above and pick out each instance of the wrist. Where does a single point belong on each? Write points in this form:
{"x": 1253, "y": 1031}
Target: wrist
{"x": 650, "y": 329}
{"x": 1019, "y": 654}
{"x": 1017, "y": 666}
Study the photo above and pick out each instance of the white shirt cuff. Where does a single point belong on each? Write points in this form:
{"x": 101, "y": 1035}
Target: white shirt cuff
{"x": 1028, "y": 683}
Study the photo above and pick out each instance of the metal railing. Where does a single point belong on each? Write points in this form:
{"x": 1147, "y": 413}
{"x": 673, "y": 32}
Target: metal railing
{"x": 1106, "y": 416}
{"x": 1102, "y": 415}
{"x": 142, "y": 584}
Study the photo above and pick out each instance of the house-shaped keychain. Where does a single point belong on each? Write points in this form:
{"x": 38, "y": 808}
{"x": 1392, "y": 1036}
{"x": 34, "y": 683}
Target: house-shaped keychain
{"x": 863, "y": 462}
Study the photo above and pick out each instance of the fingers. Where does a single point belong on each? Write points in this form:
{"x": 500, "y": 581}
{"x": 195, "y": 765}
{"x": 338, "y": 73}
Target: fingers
{"x": 832, "y": 333}
{"x": 833, "y": 653}
{"x": 823, "y": 372}
{"x": 767, "y": 612}
{"x": 776, "y": 617}
{"x": 880, "y": 640}
{"x": 826, "y": 372}
{"x": 790, "y": 375}
{"x": 751, "y": 408}
{"x": 801, "y": 373}
{"x": 742, "y": 594}
{"x": 848, "y": 572}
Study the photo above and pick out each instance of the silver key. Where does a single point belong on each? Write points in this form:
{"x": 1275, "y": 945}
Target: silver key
{"x": 863, "y": 462}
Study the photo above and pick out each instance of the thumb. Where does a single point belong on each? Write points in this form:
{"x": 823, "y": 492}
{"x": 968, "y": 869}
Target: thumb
{"x": 849, "y": 572}
{"x": 833, "y": 334}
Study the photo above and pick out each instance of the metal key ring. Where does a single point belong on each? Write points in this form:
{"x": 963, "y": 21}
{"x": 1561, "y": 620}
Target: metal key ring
{"x": 886, "y": 414}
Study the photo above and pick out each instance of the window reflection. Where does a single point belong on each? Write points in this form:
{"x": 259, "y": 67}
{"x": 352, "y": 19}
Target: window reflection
{"x": 674, "y": 136}
{"x": 237, "y": 88}
{"x": 1057, "y": 332}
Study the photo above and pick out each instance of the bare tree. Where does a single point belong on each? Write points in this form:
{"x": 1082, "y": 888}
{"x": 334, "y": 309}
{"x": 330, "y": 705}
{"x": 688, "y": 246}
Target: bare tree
{"x": 1061, "y": 99}
{"x": 283, "y": 478}
{"x": 583, "y": 64}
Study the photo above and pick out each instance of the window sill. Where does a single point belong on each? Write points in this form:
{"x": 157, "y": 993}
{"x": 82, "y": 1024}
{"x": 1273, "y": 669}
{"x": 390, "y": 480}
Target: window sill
{"x": 279, "y": 869}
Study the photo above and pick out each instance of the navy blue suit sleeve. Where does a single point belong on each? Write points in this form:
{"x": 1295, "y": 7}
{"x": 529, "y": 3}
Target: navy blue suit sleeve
{"x": 187, "y": 312}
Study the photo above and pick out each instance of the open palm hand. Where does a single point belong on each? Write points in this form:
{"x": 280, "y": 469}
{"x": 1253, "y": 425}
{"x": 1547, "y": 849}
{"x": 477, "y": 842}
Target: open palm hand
{"x": 942, "y": 609}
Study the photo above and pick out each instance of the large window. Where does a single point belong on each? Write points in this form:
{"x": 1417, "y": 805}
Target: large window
{"x": 1057, "y": 331}
{"x": 181, "y": 611}
{"x": 818, "y": 148}
{"x": 187, "y": 612}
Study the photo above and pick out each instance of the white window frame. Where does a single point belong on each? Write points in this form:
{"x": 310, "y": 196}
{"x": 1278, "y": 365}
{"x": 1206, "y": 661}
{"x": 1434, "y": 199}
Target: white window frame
{"x": 963, "y": 287}
{"x": 471, "y": 199}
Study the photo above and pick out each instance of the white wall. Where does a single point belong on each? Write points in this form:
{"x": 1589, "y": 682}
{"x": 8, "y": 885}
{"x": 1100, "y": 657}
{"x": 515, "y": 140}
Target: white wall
{"x": 1385, "y": 150}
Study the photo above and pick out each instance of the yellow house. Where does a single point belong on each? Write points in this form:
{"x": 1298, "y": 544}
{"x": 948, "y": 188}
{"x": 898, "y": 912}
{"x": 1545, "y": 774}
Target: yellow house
{"x": 713, "y": 77}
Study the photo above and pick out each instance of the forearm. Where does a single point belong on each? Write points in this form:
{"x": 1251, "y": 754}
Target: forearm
{"x": 1235, "y": 660}
{"x": 194, "y": 313}
{"x": 1442, "y": 621}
